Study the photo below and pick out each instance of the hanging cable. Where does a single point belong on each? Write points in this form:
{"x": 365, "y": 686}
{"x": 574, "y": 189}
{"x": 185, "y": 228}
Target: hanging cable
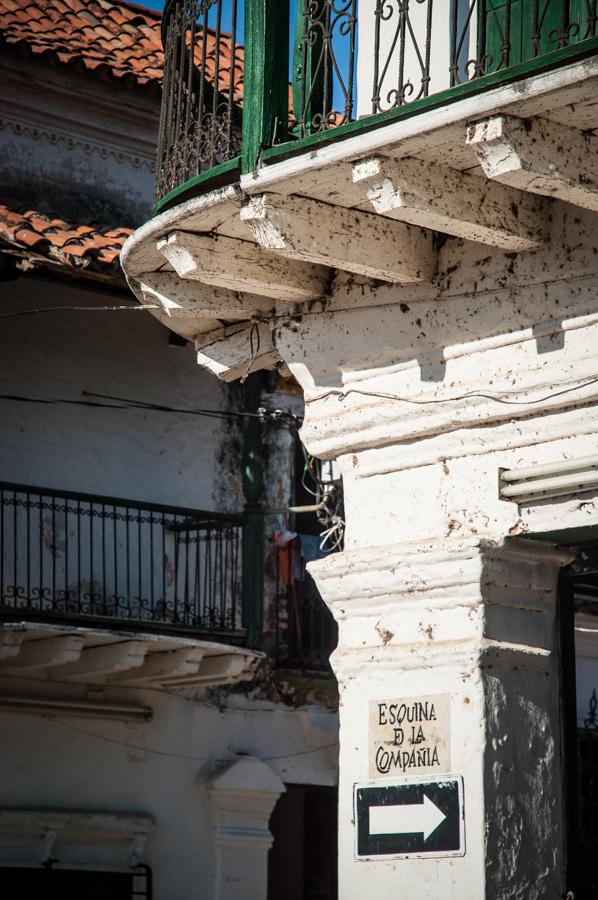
{"x": 254, "y": 335}
{"x": 34, "y": 312}
{"x": 275, "y": 417}
{"x": 496, "y": 398}
{"x": 167, "y": 753}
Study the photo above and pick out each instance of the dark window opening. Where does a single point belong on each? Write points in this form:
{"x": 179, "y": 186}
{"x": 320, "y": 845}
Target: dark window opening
{"x": 63, "y": 884}
{"x": 303, "y": 858}
{"x": 306, "y": 633}
{"x": 578, "y": 618}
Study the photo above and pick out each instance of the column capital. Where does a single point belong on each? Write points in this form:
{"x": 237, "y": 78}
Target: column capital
{"x": 422, "y": 603}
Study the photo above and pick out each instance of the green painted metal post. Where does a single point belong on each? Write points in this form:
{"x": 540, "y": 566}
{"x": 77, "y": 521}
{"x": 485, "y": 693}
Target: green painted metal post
{"x": 266, "y": 78}
{"x": 253, "y": 530}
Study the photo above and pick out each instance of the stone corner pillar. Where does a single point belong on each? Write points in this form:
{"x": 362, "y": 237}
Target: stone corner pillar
{"x": 448, "y": 671}
{"x": 243, "y": 795}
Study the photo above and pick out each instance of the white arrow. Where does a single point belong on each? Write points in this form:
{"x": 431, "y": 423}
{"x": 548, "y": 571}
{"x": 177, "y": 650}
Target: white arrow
{"x": 406, "y": 819}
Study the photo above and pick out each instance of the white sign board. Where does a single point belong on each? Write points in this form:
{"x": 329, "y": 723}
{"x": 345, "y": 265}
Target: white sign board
{"x": 410, "y": 736}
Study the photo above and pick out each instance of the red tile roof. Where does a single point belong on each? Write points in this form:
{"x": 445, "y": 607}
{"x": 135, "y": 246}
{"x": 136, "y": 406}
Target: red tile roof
{"x": 109, "y": 37}
{"x": 112, "y": 38}
{"x": 51, "y": 241}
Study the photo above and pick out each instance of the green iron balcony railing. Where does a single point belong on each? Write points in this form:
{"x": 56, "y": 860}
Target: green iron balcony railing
{"x": 248, "y": 81}
{"x": 201, "y": 115}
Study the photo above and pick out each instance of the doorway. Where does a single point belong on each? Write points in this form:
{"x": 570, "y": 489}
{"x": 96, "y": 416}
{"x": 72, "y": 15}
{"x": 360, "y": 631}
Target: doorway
{"x": 578, "y": 616}
{"x": 302, "y": 862}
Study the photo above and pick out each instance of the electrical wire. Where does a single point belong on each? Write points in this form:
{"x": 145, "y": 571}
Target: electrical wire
{"x": 127, "y": 404}
{"x": 254, "y": 334}
{"x": 33, "y": 312}
{"x": 496, "y": 398}
{"x": 131, "y": 403}
{"x": 167, "y": 753}
{"x": 329, "y": 499}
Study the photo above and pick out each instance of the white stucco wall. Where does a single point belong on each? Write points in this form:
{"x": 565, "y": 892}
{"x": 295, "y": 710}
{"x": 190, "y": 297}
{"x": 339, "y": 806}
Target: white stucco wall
{"x": 75, "y": 763}
{"x": 161, "y": 769}
{"x": 73, "y": 143}
{"x": 146, "y": 456}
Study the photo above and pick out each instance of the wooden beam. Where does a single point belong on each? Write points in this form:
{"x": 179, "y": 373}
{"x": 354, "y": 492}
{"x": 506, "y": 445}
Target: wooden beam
{"x": 217, "y": 670}
{"x": 347, "y": 239}
{"x": 538, "y": 156}
{"x": 232, "y": 352}
{"x": 53, "y": 651}
{"x": 241, "y": 266}
{"x": 104, "y": 660}
{"x": 180, "y": 298}
{"x": 10, "y": 643}
{"x": 162, "y": 667}
{"x": 452, "y": 202}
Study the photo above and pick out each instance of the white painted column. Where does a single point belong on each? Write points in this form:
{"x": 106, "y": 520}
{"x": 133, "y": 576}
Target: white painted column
{"x": 447, "y": 655}
{"x": 243, "y": 796}
{"x": 440, "y": 597}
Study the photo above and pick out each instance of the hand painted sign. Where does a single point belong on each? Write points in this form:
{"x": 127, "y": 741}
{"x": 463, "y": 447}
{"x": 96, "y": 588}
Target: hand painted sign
{"x": 410, "y": 736}
{"x": 421, "y": 818}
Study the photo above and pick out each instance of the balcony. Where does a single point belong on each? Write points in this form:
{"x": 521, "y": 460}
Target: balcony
{"x": 80, "y": 558}
{"x": 76, "y": 568}
{"x": 98, "y": 588}
{"x": 396, "y": 124}
{"x": 305, "y": 631}
{"x": 237, "y": 98}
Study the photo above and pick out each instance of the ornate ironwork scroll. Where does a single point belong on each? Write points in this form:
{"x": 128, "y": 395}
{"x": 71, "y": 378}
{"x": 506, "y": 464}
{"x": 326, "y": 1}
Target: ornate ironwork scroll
{"x": 422, "y": 47}
{"x": 324, "y": 64}
{"x": 71, "y": 556}
{"x": 202, "y": 94}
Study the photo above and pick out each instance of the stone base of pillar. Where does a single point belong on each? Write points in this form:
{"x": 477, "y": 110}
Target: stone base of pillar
{"x": 448, "y": 665}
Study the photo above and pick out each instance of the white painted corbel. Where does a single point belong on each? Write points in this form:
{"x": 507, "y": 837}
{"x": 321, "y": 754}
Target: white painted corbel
{"x": 137, "y": 850}
{"x": 457, "y": 203}
{"x": 538, "y": 156}
{"x": 348, "y": 239}
{"x": 241, "y": 266}
{"x": 233, "y": 352}
{"x": 46, "y": 846}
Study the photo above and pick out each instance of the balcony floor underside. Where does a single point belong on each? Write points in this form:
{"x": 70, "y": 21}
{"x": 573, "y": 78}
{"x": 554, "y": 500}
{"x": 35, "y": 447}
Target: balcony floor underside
{"x": 245, "y": 263}
{"x": 78, "y": 655}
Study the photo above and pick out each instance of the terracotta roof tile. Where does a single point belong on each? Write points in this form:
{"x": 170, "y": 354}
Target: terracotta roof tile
{"x": 88, "y": 246}
{"x": 112, "y": 36}
{"x": 90, "y": 32}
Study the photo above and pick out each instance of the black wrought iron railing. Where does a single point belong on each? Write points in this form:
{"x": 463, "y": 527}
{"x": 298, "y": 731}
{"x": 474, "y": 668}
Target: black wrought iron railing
{"x": 73, "y": 557}
{"x": 200, "y": 123}
{"x": 297, "y": 68}
{"x": 306, "y": 633}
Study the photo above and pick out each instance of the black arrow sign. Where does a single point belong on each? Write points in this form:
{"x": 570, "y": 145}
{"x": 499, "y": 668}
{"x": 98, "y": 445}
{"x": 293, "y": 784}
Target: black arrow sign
{"x": 423, "y": 818}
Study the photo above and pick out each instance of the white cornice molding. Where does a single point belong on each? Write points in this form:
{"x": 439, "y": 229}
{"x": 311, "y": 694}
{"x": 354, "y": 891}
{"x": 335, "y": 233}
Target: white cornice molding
{"x": 434, "y": 572}
{"x": 72, "y": 140}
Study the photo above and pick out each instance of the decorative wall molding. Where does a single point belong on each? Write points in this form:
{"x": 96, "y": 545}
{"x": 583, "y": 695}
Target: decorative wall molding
{"x": 55, "y": 136}
{"x": 38, "y": 836}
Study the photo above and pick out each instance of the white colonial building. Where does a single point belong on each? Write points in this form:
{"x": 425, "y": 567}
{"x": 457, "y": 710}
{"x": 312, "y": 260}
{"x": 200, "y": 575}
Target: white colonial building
{"x": 411, "y": 230}
{"x": 167, "y": 715}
